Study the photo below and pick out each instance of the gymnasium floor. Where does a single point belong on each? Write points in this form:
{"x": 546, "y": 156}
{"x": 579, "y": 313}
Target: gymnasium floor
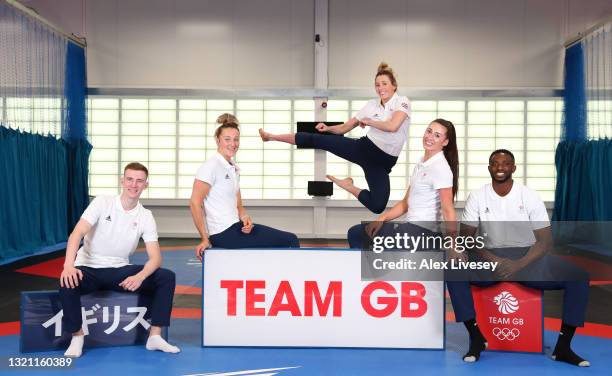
{"x": 41, "y": 272}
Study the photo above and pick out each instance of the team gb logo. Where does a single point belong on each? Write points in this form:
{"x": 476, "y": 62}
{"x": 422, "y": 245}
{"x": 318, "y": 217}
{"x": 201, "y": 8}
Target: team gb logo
{"x": 506, "y": 303}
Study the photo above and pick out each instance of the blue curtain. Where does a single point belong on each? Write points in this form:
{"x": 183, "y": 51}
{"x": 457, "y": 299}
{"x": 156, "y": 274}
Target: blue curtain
{"x": 75, "y": 92}
{"x": 584, "y": 166}
{"x": 75, "y": 133}
{"x": 43, "y": 178}
{"x": 77, "y": 162}
{"x": 584, "y": 178}
{"x": 34, "y": 208}
{"x": 574, "y": 97}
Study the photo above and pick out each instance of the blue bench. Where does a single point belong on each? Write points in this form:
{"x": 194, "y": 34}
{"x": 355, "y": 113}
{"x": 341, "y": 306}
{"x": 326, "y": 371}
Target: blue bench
{"x": 109, "y": 319}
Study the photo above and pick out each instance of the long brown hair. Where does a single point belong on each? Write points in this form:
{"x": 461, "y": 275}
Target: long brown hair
{"x": 450, "y": 151}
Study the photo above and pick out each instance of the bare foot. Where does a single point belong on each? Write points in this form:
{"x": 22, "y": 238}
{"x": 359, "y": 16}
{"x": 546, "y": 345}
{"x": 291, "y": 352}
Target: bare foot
{"x": 346, "y": 183}
{"x": 265, "y": 136}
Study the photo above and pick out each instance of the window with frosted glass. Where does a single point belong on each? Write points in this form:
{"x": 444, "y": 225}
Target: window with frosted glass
{"x": 339, "y": 110}
{"x": 303, "y": 159}
{"x": 543, "y": 134}
{"x": 103, "y": 129}
{"x": 174, "y": 136}
{"x": 599, "y": 118}
{"x": 35, "y": 115}
{"x": 191, "y": 136}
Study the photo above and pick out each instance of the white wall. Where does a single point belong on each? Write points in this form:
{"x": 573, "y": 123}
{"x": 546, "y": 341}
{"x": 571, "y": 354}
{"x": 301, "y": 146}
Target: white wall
{"x": 269, "y": 43}
{"x": 200, "y": 44}
{"x": 456, "y": 44}
{"x": 449, "y": 43}
{"x": 68, "y": 15}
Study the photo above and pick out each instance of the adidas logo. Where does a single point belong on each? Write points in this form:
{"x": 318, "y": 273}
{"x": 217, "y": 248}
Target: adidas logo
{"x": 227, "y": 176}
{"x": 109, "y": 219}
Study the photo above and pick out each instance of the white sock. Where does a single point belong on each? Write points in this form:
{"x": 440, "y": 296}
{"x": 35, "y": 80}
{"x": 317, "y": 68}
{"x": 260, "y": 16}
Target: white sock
{"x": 76, "y": 347}
{"x": 156, "y": 342}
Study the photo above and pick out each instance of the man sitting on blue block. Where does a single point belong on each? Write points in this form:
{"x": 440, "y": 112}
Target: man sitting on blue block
{"x": 112, "y": 227}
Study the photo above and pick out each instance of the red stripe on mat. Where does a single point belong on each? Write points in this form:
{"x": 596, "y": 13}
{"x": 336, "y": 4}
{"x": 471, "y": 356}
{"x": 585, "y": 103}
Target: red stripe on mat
{"x": 599, "y": 283}
{"x": 332, "y": 245}
{"x": 589, "y": 329}
{"x": 9, "y": 328}
{"x": 187, "y": 290}
{"x": 598, "y": 271}
{"x": 52, "y": 268}
{"x": 186, "y": 313}
{"x": 450, "y": 316}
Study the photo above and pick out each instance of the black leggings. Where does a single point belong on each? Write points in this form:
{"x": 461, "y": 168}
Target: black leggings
{"x": 376, "y": 164}
{"x": 260, "y": 237}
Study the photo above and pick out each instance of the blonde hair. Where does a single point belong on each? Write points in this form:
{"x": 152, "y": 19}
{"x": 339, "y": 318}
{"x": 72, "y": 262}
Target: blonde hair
{"x": 385, "y": 70}
{"x": 226, "y": 120}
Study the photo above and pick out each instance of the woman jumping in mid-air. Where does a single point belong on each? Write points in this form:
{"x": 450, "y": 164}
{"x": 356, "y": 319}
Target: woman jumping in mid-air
{"x": 388, "y": 117}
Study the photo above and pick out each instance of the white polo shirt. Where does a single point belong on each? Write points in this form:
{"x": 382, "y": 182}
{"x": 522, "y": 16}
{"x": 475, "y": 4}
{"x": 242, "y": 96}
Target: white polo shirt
{"x": 427, "y": 178}
{"x": 508, "y": 221}
{"x": 221, "y": 204}
{"x": 115, "y": 233}
{"x": 389, "y": 142}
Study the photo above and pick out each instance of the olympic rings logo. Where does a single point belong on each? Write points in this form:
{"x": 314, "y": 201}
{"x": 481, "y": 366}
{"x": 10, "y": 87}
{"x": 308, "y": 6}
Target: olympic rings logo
{"x": 506, "y": 333}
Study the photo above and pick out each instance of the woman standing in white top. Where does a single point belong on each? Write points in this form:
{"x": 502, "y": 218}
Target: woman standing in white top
{"x": 433, "y": 185}
{"x": 216, "y": 204}
{"x": 388, "y": 117}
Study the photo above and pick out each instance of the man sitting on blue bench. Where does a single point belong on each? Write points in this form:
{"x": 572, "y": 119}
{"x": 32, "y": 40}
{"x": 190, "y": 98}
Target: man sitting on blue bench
{"x": 112, "y": 227}
{"x": 518, "y": 236}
